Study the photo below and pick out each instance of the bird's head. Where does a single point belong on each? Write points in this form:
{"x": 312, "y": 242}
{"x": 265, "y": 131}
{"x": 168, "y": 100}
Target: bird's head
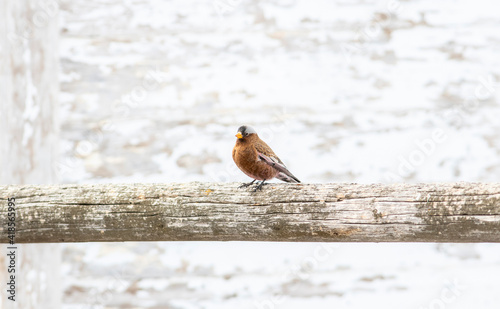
{"x": 245, "y": 131}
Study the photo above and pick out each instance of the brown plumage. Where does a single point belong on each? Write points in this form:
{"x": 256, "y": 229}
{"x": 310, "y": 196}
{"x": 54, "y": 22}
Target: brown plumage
{"x": 257, "y": 160}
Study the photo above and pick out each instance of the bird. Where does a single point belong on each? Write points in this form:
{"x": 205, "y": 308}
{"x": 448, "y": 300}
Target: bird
{"x": 257, "y": 160}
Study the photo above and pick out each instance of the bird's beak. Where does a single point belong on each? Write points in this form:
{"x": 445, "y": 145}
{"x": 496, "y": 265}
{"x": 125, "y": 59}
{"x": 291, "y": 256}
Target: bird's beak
{"x": 239, "y": 135}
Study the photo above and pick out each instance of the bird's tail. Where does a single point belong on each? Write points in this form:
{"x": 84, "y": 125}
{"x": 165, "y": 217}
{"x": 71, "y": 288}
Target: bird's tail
{"x": 287, "y": 178}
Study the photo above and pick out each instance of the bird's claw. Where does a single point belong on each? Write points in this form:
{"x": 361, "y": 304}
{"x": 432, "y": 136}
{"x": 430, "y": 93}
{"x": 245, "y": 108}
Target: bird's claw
{"x": 259, "y": 186}
{"x": 246, "y": 184}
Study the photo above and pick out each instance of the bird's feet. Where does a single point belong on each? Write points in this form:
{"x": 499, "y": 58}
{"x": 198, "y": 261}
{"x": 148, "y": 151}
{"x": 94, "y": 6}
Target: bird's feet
{"x": 246, "y": 184}
{"x": 259, "y": 186}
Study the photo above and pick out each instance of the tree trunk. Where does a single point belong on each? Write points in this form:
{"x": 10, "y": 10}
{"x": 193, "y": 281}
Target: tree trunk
{"x": 454, "y": 212}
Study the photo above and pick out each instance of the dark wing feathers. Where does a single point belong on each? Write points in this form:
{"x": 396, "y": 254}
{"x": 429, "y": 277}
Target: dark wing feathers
{"x": 275, "y": 162}
{"x": 268, "y": 156}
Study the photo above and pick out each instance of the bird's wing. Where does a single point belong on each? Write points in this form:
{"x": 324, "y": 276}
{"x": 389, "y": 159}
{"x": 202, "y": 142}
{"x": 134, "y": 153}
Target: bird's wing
{"x": 267, "y": 155}
{"x": 263, "y": 149}
{"x": 286, "y": 178}
{"x": 284, "y": 173}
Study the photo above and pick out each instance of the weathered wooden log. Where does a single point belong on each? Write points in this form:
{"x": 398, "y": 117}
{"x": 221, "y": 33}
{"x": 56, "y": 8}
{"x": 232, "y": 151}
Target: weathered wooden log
{"x": 449, "y": 212}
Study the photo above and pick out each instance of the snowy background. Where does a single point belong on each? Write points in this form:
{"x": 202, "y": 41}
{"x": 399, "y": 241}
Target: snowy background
{"x": 344, "y": 91}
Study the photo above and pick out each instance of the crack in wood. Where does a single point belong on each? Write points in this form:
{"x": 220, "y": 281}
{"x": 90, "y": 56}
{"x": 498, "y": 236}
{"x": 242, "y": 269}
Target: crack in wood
{"x": 282, "y": 212}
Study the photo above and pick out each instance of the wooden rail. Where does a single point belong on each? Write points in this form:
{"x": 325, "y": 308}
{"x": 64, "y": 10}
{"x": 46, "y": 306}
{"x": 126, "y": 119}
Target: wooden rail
{"x": 448, "y": 212}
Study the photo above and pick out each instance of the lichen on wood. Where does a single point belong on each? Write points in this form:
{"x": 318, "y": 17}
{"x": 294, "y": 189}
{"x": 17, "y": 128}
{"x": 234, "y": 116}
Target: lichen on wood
{"x": 450, "y": 212}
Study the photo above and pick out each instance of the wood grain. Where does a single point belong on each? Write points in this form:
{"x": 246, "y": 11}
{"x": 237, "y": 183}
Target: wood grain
{"x": 449, "y": 212}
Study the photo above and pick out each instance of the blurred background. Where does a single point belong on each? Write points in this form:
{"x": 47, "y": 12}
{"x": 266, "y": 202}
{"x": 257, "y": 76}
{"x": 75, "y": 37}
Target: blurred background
{"x": 344, "y": 91}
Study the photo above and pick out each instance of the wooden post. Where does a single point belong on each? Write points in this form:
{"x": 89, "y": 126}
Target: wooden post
{"x": 29, "y": 60}
{"x": 449, "y": 212}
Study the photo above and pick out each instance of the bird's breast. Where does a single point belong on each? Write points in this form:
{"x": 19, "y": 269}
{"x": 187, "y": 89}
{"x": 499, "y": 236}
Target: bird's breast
{"x": 247, "y": 160}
